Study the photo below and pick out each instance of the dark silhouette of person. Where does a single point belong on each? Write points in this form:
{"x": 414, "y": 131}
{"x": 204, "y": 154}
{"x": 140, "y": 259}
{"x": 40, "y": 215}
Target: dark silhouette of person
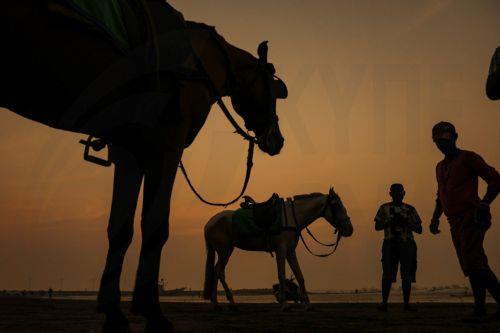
{"x": 51, "y": 292}
{"x": 398, "y": 220}
{"x": 469, "y": 216}
{"x": 493, "y": 82}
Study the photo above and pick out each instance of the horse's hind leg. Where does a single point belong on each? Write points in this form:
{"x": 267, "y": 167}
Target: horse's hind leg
{"x": 294, "y": 265}
{"x": 126, "y": 187}
{"x": 221, "y": 274}
{"x": 280, "y": 263}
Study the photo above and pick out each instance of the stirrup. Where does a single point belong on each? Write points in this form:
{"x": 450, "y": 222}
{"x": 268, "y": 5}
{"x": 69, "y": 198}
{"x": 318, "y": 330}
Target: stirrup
{"x": 97, "y": 145}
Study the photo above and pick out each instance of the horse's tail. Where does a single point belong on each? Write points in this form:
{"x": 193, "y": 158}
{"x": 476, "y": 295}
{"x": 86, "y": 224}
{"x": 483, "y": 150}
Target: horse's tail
{"x": 209, "y": 271}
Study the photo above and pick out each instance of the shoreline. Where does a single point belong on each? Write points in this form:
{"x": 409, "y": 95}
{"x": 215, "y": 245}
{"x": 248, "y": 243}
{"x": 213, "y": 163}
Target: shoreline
{"x": 43, "y": 315}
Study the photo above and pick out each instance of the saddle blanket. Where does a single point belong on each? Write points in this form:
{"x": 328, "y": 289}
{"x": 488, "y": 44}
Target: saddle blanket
{"x": 246, "y": 225}
{"x": 131, "y": 25}
{"x": 108, "y": 13}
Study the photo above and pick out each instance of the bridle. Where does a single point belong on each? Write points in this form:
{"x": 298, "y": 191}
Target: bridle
{"x": 261, "y": 66}
{"x": 252, "y": 140}
{"x": 339, "y": 237}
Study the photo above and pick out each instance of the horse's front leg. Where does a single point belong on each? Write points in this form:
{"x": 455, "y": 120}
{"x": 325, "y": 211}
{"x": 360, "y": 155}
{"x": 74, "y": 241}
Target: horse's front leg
{"x": 160, "y": 170}
{"x": 281, "y": 261}
{"x": 294, "y": 265}
{"x": 126, "y": 187}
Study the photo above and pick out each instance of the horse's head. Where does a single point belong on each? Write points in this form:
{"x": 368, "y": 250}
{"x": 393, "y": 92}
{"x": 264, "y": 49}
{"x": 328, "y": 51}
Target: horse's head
{"x": 336, "y": 214}
{"x": 254, "y": 99}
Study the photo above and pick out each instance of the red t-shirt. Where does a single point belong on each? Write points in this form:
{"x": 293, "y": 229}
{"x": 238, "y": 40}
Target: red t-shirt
{"x": 457, "y": 179}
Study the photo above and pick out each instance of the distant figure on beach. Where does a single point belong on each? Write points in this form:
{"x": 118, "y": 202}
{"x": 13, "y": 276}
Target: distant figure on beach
{"x": 51, "y": 292}
{"x": 398, "y": 220}
{"x": 469, "y": 216}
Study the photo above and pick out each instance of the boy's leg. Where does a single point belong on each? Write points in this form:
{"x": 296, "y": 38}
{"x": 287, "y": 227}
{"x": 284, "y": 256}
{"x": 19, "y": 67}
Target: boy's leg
{"x": 390, "y": 263}
{"x": 408, "y": 270}
{"x": 386, "y": 291}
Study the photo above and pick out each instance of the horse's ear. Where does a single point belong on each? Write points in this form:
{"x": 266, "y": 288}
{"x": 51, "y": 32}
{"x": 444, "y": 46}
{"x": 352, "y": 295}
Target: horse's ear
{"x": 262, "y": 51}
{"x": 332, "y": 192}
{"x": 279, "y": 89}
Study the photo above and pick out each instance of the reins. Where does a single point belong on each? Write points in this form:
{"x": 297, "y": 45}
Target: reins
{"x": 334, "y": 245}
{"x": 251, "y": 146}
{"x": 251, "y": 139}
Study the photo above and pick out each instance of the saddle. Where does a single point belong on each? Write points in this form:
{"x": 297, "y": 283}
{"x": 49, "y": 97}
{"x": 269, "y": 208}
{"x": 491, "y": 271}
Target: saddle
{"x": 265, "y": 213}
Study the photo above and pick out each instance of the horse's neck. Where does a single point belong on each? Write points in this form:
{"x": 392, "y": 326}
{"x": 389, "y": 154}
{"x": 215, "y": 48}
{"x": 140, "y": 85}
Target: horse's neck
{"x": 219, "y": 57}
{"x": 308, "y": 210}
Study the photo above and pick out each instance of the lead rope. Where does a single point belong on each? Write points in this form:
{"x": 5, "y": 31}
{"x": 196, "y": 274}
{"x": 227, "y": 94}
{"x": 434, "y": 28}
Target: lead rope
{"x": 251, "y": 140}
{"x": 251, "y": 146}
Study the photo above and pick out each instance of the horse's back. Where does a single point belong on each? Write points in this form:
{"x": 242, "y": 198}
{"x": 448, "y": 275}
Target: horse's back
{"x": 218, "y": 220}
{"x": 218, "y": 230}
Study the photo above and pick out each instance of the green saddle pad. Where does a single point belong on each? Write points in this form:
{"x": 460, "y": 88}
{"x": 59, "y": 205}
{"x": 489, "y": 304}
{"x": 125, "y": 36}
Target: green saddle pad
{"x": 244, "y": 223}
{"x": 109, "y": 14}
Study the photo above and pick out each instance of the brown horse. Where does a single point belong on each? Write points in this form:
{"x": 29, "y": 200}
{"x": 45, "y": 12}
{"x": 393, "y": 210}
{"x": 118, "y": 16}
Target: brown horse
{"x": 493, "y": 83}
{"x": 222, "y": 237}
{"x": 48, "y": 67}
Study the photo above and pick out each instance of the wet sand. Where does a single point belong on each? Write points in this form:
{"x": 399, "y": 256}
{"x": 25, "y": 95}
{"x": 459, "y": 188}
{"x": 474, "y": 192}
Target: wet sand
{"x": 42, "y": 315}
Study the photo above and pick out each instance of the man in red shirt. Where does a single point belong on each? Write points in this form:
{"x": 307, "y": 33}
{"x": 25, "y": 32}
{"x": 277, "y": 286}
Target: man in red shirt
{"x": 469, "y": 216}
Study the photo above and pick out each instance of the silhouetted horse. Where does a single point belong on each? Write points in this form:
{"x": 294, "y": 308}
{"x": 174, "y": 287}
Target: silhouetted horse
{"x": 75, "y": 78}
{"x": 222, "y": 237}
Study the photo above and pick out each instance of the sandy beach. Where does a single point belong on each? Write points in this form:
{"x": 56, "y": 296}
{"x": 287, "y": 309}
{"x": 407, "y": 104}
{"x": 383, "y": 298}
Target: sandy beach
{"x": 25, "y": 315}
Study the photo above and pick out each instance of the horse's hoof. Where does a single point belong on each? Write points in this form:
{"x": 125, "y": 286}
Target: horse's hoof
{"x": 159, "y": 325}
{"x": 111, "y": 326}
{"x": 115, "y": 322}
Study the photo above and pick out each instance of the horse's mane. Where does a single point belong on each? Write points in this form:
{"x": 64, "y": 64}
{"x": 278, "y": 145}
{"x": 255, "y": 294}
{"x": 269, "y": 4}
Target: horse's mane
{"x": 198, "y": 25}
{"x": 308, "y": 196}
{"x": 212, "y": 30}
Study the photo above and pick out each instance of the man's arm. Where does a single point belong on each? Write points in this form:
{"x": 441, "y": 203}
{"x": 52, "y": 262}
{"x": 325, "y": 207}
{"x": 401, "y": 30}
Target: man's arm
{"x": 490, "y": 196}
{"x": 489, "y": 174}
{"x": 438, "y": 211}
{"x": 415, "y": 221}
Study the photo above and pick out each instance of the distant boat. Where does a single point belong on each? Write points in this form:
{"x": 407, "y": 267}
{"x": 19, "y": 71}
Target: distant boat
{"x": 173, "y": 292}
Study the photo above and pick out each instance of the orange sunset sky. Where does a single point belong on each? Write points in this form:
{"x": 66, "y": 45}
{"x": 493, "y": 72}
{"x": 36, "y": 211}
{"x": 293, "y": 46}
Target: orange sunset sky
{"x": 367, "y": 81}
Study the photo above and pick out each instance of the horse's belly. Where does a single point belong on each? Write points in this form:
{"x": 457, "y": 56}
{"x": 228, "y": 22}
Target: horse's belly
{"x": 256, "y": 243}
